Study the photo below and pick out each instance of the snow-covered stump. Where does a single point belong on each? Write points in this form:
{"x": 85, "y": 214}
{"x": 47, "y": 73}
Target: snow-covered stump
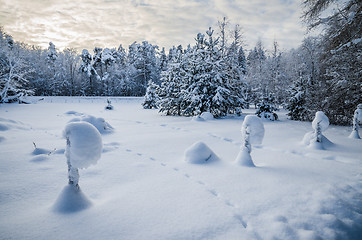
{"x": 252, "y": 132}
{"x": 316, "y": 139}
{"x": 84, "y": 148}
{"x": 357, "y": 119}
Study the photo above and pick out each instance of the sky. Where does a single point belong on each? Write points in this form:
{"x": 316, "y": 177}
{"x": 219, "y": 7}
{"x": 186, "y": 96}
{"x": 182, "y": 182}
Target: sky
{"x": 108, "y": 23}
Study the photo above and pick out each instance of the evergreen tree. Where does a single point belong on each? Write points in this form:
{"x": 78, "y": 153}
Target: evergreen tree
{"x": 267, "y": 108}
{"x": 151, "y": 99}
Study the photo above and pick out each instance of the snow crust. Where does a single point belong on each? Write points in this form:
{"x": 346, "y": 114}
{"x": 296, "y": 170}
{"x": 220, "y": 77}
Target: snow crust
{"x": 199, "y": 153}
{"x": 85, "y": 144}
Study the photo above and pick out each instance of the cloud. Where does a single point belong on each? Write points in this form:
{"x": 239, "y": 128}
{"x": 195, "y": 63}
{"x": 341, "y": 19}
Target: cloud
{"x": 108, "y": 23}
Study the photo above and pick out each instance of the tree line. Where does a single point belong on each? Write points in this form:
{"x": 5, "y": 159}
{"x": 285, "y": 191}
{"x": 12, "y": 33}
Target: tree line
{"x": 215, "y": 74}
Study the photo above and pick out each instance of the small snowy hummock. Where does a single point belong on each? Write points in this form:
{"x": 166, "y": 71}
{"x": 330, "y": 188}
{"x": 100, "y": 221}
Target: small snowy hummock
{"x": 207, "y": 116}
{"x": 199, "y": 153}
{"x": 252, "y": 132}
{"x": 102, "y": 126}
{"x": 197, "y": 119}
{"x": 84, "y": 144}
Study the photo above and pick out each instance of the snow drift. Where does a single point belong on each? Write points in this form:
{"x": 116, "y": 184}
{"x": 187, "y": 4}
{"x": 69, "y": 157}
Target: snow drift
{"x": 199, "y": 153}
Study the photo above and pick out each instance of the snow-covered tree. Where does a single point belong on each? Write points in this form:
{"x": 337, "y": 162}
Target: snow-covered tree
{"x": 84, "y": 148}
{"x": 89, "y": 72}
{"x": 316, "y": 139}
{"x": 151, "y": 98}
{"x": 341, "y": 59}
{"x": 267, "y": 108}
{"x": 357, "y": 119}
{"x": 14, "y": 70}
{"x": 252, "y": 132}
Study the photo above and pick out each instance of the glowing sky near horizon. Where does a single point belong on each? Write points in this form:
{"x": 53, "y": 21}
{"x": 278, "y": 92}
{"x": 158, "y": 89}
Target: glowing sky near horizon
{"x": 109, "y": 23}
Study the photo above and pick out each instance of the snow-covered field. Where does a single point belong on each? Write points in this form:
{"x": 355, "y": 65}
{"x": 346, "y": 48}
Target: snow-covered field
{"x": 142, "y": 187}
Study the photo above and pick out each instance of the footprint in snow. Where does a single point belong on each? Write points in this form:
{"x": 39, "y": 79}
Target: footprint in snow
{"x": 240, "y": 219}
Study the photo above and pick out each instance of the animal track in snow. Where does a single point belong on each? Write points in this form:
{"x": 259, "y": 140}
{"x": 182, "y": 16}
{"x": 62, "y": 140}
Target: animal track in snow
{"x": 213, "y": 192}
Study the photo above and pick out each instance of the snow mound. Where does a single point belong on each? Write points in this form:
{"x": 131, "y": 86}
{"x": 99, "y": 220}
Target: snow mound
{"x": 355, "y": 135}
{"x": 71, "y": 200}
{"x": 40, "y": 158}
{"x": 322, "y": 119}
{"x": 7, "y": 124}
{"x": 102, "y": 126}
{"x": 253, "y": 126}
{"x": 75, "y": 113}
{"x": 39, "y": 151}
{"x": 197, "y": 119}
{"x": 3, "y": 127}
{"x": 207, "y": 116}
{"x": 84, "y": 144}
{"x": 309, "y": 141}
{"x": 244, "y": 158}
{"x": 199, "y": 153}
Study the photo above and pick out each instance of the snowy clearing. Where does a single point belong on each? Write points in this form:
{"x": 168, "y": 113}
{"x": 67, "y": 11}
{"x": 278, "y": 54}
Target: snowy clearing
{"x": 142, "y": 187}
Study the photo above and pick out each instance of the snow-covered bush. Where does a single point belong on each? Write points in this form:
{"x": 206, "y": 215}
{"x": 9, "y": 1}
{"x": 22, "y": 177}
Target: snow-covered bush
{"x": 266, "y": 109}
{"x": 151, "y": 98}
{"x": 357, "y": 119}
{"x": 109, "y": 105}
{"x": 84, "y": 148}
{"x": 315, "y": 139}
{"x": 102, "y": 126}
{"x": 252, "y": 132}
{"x": 207, "y": 116}
{"x": 199, "y": 153}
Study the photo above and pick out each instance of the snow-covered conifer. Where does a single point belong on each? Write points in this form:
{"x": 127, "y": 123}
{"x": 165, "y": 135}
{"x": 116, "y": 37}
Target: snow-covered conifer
{"x": 316, "y": 139}
{"x": 267, "y": 108}
{"x": 252, "y": 132}
{"x": 151, "y": 98}
{"x": 357, "y": 119}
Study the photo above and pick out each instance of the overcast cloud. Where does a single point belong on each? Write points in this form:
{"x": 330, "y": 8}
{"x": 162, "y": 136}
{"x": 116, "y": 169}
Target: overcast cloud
{"x": 108, "y": 23}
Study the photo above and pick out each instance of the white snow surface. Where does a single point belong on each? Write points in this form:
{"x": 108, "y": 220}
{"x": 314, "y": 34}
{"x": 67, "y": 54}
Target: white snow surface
{"x": 85, "y": 141}
{"x": 255, "y": 127}
{"x": 143, "y": 189}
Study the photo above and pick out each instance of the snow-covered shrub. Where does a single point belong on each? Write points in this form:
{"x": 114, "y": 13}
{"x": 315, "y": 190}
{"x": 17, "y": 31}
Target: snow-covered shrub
{"x": 266, "y": 109}
{"x": 151, "y": 98}
{"x": 109, "y": 105}
{"x": 252, "y": 132}
{"x": 315, "y": 139}
{"x": 197, "y": 118}
{"x": 84, "y": 148}
{"x": 297, "y": 101}
{"x": 357, "y": 119}
{"x": 207, "y": 116}
{"x": 199, "y": 153}
{"x": 102, "y": 126}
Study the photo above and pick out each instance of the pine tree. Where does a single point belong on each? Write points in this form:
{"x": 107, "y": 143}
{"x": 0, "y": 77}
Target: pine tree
{"x": 267, "y": 108}
{"x": 151, "y": 98}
